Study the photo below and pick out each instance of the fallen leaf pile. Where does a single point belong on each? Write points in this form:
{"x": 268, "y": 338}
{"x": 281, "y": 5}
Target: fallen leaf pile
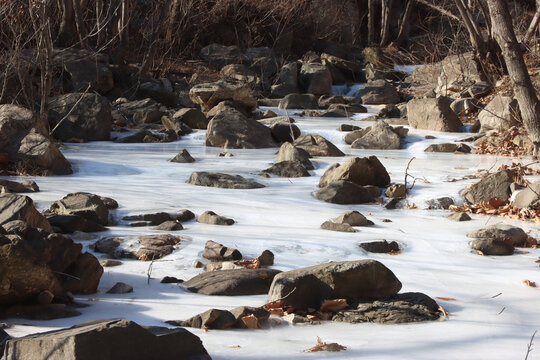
{"x": 325, "y": 312}
{"x": 529, "y": 283}
{"x": 249, "y": 264}
{"x": 512, "y": 142}
{"x": 322, "y": 346}
{"x": 497, "y": 207}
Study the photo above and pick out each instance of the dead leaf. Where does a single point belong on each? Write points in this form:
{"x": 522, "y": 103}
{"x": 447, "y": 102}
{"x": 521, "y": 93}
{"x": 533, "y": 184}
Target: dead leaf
{"x": 412, "y": 206}
{"x": 529, "y": 283}
{"x": 251, "y": 322}
{"x": 394, "y": 252}
{"x": 480, "y": 253}
{"x": 249, "y": 264}
{"x": 445, "y": 298}
{"x": 443, "y": 311}
{"x": 235, "y": 346}
{"x": 334, "y": 305}
{"x": 322, "y": 346}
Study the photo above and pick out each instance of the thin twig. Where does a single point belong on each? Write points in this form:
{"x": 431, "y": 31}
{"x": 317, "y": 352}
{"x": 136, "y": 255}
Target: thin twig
{"x": 407, "y": 173}
{"x": 71, "y": 110}
{"x": 529, "y": 346}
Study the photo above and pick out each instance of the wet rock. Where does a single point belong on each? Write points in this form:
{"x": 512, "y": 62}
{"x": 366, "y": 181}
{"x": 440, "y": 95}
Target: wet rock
{"x": 348, "y": 127}
{"x": 284, "y": 132}
{"x": 234, "y": 282}
{"x": 352, "y": 280}
{"x": 120, "y": 288}
{"x": 361, "y": 171}
{"x": 459, "y": 216}
{"x": 117, "y": 339}
{"x": 328, "y": 225}
{"x": 89, "y": 206}
{"x": 156, "y": 246}
{"x": 315, "y": 79}
{"x": 380, "y": 247}
{"x": 290, "y": 169}
{"x": 224, "y": 181}
{"x": 171, "y": 280}
{"x": 21, "y": 207}
{"x": 494, "y": 185}
{"x": 396, "y": 191}
{"x": 109, "y": 246}
{"x": 433, "y": 114}
{"x": 266, "y": 258}
{"x": 89, "y": 117}
{"x": 289, "y": 152}
{"x": 170, "y": 225}
{"x": 211, "y": 218}
{"x": 353, "y": 218}
{"x": 448, "y": 147}
{"x": 492, "y": 247}
{"x": 402, "y": 308}
{"x": 529, "y": 197}
{"x": 183, "y": 157}
{"x": 230, "y": 129}
{"x": 380, "y": 136}
{"x": 441, "y": 203}
{"x": 214, "y": 319}
{"x": 512, "y": 235}
{"x": 217, "y": 252}
{"x": 299, "y": 101}
{"x": 316, "y": 145}
{"x": 19, "y": 187}
{"x": 72, "y": 223}
{"x": 344, "y": 192}
{"x": 149, "y": 219}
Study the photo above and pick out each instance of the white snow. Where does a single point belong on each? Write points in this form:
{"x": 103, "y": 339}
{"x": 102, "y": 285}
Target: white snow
{"x": 285, "y": 218}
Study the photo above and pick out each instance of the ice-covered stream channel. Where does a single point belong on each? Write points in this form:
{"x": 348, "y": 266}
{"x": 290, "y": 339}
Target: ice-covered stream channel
{"x": 285, "y": 218}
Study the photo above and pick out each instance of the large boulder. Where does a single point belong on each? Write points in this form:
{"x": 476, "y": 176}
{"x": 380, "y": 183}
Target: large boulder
{"x": 379, "y": 92}
{"x": 218, "y": 55}
{"x": 108, "y": 340}
{"x": 316, "y": 145}
{"x": 20, "y": 207}
{"x": 494, "y": 185}
{"x": 458, "y": 72}
{"x": 289, "y": 152}
{"x": 239, "y": 72}
{"x": 24, "y": 186}
{"x": 80, "y": 116}
{"x": 501, "y": 113}
{"x": 361, "y": 171}
{"x": 224, "y": 181}
{"x": 512, "y": 235}
{"x": 299, "y": 101}
{"x": 380, "y": 136}
{"x": 287, "y": 80}
{"x": 433, "y": 114}
{"x": 86, "y": 69}
{"x": 230, "y": 129}
{"x": 352, "y": 280}
{"x": 233, "y": 282}
{"x": 156, "y": 246}
{"x": 145, "y": 111}
{"x": 23, "y": 139}
{"x": 345, "y": 192}
{"x": 315, "y": 79}
{"x": 193, "y": 118}
{"x": 210, "y": 94}
{"x": 86, "y": 205}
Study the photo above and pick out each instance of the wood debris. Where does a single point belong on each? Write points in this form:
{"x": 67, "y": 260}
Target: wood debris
{"x": 322, "y": 346}
{"x": 445, "y": 298}
{"x": 251, "y": 322}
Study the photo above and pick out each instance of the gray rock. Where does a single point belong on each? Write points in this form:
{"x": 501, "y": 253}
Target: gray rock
{"x": 193, "y": 118}
{"x": 448, "y": 147}
{"x": 260, "y": 313}
{"x": 465, "y": 106}
{"x": 210, "y": 94}
{"x": 316, "y": 145}
{"x": 234, "y": 282}
{"x": 170, "y": 280}
{"x": 289, "y": 152}
{"x": 299, "y": 101}
{"x": 145, "y": 111}
{"x": 382, "y": 247}
{"x": 183, "y": 215}
{"x": 492, "y": 247}
{"x": 501, "y": 113}
{"x": 214, "y": 319}
{"x": 433, "y": 114}
{"x": 347, "y": 109}
{"x": 380, "y": 136}
{"x": 156, "y": 246}
{"x": 352, "y": 280}
{"x": 379, "y": 92}
{"x": 460, "y": 216}
{"x": 22, "y": 187}
{"x": 211, "y": 218}
{"x": 290, "y": 169}
{"x": 120, "y": 288}
{"x": 217, "y": 252}
{"x": 117, "y": 339}
{"x": 512, "y": 235}
{"x": 149, "y": 219}
{"x": 396, "y": 191}
{"x": 183, "y": 157}
{"x": 348, "y": 127}
{"x": 458, "y": 72}
{"x": 441, "y": 203}
{"x": 353, "y": 218}
{"x": 528, "y": 198}
{"x": 218, "y": 55}
{"x": 361, "y": 171}
{"x": 402, "y": 308}
{"x": 89, "y": 206}
{"x": 356, "y": 134}
{"x": 344, "y": 192}
{"x": 72, "y": 223}
{"x": 224, "y": 181}
{"x": 170, "y": 225}
{"x": 21, "y": 207}
{"x": 284, "y": 132}
{"x": 108, "y": 246}
{"x": 494, "y": 185}
{"x": 328, "y": 225}
{"x": 41, "y": 313}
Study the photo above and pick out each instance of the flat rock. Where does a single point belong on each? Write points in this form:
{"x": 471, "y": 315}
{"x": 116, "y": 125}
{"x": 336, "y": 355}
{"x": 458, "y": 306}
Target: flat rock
{"x": 156, "y": 246}
{"x": 492, "y": 247}
{"x": 353, "y": 218}
{"x": 290, "y": 169}
{"x": 449, "y": 148}
{"x": 211, "y": 218}
{"x": 513, "y": 235}
{"x": 344, "y": 192}
{"x": 380, "y": 247}
{"x": 459, "y": 216}
{"x": 328, "y": 225}
{"x": 316, "y": 145}
{"x": 224, "y": 181}
{"x": 494, "y": 185}
{"x": 170, "y": 225}
{"x": 120, "y": 288}
{"x": 21, "y": 207}
{"x": 214, "y": 251}
{"x": 232, "y": 282}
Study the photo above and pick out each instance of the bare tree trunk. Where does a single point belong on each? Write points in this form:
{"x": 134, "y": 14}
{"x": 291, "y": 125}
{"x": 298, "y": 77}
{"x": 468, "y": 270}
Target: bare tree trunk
{"x": 534, "y": 24}
{"x": 171, "y": 20}
{"x": 386, "y": 13}
{"x": 474, "y": 33}
{"x": 524, "y": 92}
{"x": 371, "y": 22}
{"x": 404, "y": 25}
{"x": 67, "y": 26}
{"x": 78, "y": 21}
{"x": 439, "y": 9}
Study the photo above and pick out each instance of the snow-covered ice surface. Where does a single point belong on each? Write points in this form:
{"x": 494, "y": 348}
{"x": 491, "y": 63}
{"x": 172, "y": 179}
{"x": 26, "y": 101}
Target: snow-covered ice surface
{"x": 493, "y": 316}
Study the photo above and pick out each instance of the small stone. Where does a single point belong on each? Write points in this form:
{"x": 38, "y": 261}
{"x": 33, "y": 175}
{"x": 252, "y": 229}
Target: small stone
{"x": 225, "y": 154}
{"x": 461, "y": 216}
{"x": 110, "y": 263}
{"x": 295, "y": 319}
{"x": 171, "y": 280}
{"x": 380, "y": 247}
{"x": 347, "y": 127}
{"x": 328, "y": 225}
{"x": 170, "y": 225}
{"x": 197, "y": 264}
{"x": 211, "y": 218}
{"x": 45, "y": 297}
{"x": 120, "y": 288}
{"x": 396, "y": 191}
{"x": 266, "y": 258}
{"x": 82, "y": 236}
{"x": 183, "y": 157}
{"x": 353, "y": 218}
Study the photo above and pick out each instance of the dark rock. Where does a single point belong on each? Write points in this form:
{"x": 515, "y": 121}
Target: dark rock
{"x": 353, "y": 218}
{"x": 448, "y": 147}
{"x": 211, "y": 218}
{"x": 459, "y": 216}
{"x": 21, "y": 207}
{"x": 348, "y": 109}
{"x": 299, "y": 101}
{"x": 355, "y": 135}
{"x": 232, "y": 282}
{"x": 266, "y": 258}
{"x": 402, "y": 308}
{"x": 89, "y": 206}
{"x": 347, "y": 127}
{"x": 71, "y": 223}
{"x": 117, "y": 339}
{"x": 396, "y": 191}
{"x": 492, "y": 247}
{"x": 224, "y": 181}
{"x": 217, "y": 252}
{"x": 259, "y": 313}
{"x": 316, "y": 145}
{"x": 193, "y": 118}
{"x": 494, "y": 185}
{"x": 45, "y": 297}
{"x": 441, "y": 203}
{"x": 156, "y": 246}
{"x": 149, "y": 219}
{"x": 183, "y": 157}
{"x": 170, "y": 225}
{"x": 501, "y": 113}
{"x": 22, "y": 187}
{"x": 120, "y": 288}
{"x": 109, "y": 246}
{"x": 290, "y": 169}
{"x": 289, "y": 152}
{"x": 379, "y": 92}
{"x": 382, "y": 247}
{"x": 433, "y": 114}
{"x": 214, "y": 319}
{"x": 344, "y": 192}
{"x": 389, "y": 111}
{"x": 284, "y": 132}
{"x": 218, "y": 55}
{"x": 40, "y": 312}
{"x": 328, "y": 225}
{"x": 183, "y": 215}
{"x": 85, "y": 274}
{"x": 315, "y": 79}
{"x": 361, "y": 171}
{"x": 171, "y": 280}
{"x": 512, "y": 235}
{"x": 352, "y": 280}
{"x": 210, "y": 94}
